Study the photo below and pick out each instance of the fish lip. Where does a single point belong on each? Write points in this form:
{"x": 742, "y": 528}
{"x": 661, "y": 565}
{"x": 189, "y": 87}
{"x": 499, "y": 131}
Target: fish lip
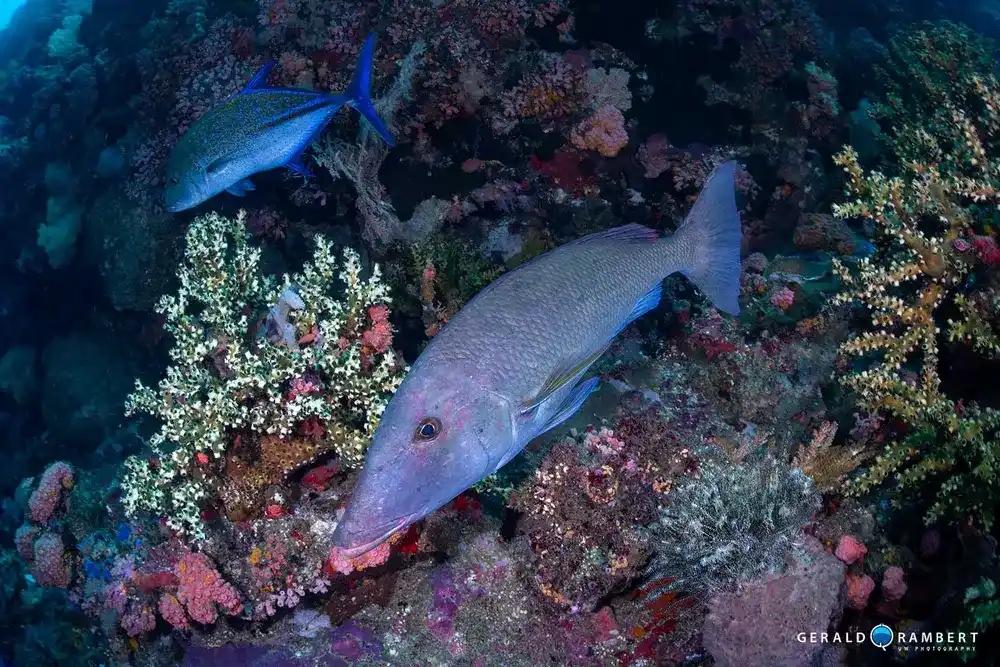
{"x": 355, "y": 551}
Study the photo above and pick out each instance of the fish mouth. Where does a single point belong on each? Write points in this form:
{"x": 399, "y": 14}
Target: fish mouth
{"x": 359, "y": 549}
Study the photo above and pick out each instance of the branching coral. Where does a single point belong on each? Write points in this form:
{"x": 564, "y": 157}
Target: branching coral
{"x": 235, "y": 377}
{"x": 932, "y": 220}
{"x": 824, "y": 463}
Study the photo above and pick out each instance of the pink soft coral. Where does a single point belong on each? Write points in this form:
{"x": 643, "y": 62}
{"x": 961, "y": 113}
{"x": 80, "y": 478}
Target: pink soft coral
{"x": 379, "y": 337}
{"x": 173, "y": 612}
{"x": 202, "y": 588}
{"x": 859, "y": 589}
{"x": 850, "y": 550}
{"x": 894, "y": 583}
{"x": 56, "y": 479}
{"x": 49, "y": 566}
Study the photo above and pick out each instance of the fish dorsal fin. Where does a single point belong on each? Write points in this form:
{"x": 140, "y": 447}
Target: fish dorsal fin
{"x": 259, "y": 79}
{"x": 561, "y": 376}
{"x": 630, "y": 232}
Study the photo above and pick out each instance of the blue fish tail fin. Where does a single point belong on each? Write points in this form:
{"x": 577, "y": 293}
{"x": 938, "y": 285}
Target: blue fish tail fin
{"x": 359, "y": 92}
{"x": 706, "y": 248}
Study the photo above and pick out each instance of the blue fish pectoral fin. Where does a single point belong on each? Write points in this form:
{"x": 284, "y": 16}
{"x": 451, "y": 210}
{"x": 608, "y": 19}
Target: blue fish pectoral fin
{"x": 217, "y": 165}
{"x": 562, "y": 376}
{"x": 710, "y": 241}
{"x": 563, "y": 408}
{"x": 573, "y": 402}
{"x": 359, "y": 92}
{"x": 298, "y": 166}
{"x": 259, "y": 79}
{"x": 240, "y": 188}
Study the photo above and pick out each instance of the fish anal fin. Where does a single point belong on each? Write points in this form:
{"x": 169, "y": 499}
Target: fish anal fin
{"x": 648, "y": 302}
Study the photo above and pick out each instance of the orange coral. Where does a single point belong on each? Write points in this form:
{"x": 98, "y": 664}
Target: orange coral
{"x": 603, "y": 132}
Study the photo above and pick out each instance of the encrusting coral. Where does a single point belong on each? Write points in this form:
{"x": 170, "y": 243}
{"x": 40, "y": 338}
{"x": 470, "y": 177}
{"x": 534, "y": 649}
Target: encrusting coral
{"x": 314, "y": 366}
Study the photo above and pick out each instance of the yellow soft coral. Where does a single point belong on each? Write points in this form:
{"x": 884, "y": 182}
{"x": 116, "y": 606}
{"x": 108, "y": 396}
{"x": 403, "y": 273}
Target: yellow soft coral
{"x": 924, "y": 217}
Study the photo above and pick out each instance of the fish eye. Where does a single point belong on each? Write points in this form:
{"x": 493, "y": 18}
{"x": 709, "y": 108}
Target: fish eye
{"x": 428, "y": 429}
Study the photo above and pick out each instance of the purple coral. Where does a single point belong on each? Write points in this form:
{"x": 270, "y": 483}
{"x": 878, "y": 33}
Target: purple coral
{"x": 351, "y": 642}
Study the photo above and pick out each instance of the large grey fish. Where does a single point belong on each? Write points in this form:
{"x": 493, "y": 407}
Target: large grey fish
{"x": 258, "y": 129}
{"x": 511, "y": 364}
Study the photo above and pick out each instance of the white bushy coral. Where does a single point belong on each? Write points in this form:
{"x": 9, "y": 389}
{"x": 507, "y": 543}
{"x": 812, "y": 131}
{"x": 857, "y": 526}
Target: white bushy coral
{"x": 731, "y": 523}
{"x": 225, "y": 377}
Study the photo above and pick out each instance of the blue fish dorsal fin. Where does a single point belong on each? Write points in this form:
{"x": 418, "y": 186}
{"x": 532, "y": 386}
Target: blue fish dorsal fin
{"x": 259, "y": 79}
{"x": 632, "y": 232}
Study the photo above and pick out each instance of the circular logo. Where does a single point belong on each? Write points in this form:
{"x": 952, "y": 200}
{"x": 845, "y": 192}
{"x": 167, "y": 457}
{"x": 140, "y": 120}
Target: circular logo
{"x": 881, "y": 636}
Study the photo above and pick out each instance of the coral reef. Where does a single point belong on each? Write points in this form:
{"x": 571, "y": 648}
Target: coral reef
{"x": 822, "y": 463}
{"x": 257, "y": 399}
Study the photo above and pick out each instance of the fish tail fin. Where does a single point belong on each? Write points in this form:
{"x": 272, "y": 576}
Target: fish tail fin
{"x": 358, "y": 93}
{"x": 707, "y": 244}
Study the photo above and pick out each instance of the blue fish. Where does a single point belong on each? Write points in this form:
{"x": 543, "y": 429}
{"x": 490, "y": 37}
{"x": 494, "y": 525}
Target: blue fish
{"x": 259, "y": 129}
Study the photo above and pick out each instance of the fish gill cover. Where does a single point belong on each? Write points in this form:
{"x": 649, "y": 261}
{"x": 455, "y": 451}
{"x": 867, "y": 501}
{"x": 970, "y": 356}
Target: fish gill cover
{"x": 653, "y": 333}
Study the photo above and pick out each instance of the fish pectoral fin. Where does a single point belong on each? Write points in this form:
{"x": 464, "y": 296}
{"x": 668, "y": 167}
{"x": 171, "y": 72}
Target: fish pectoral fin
{"x": 216, "y": 166}
{"x": 561, "y": 377}
{"x": 297, "y": 165}
{"x": 566, "y": 408}
{"x": 573, "y": 402}
{"x": 240, "y": 188}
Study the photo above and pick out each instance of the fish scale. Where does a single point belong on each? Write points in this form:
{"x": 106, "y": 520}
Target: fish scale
{"x": 589, "y": 289}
